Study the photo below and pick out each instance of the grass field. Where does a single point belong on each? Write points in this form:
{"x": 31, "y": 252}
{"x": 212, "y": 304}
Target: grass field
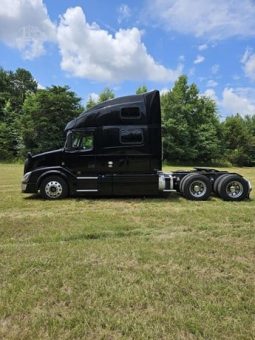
{"x": 125, "y": 268}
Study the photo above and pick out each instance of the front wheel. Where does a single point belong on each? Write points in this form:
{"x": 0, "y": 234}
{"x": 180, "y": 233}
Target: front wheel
{"x": 53, "y": 187}
{"x": 196, "y": 187}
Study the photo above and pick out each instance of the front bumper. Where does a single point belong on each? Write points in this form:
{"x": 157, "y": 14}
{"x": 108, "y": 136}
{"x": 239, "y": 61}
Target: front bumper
{"x": 23, "y": 187}
{"x": 28, "y": 188}
{"x": 26, "y": 185}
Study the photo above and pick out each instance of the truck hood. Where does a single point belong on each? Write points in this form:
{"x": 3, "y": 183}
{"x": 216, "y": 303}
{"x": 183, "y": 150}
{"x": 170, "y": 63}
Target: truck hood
{"x": 44, "y": 159}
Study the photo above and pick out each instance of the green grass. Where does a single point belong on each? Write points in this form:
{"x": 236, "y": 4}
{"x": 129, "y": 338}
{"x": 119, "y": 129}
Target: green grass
{"x": 125, "y": 268}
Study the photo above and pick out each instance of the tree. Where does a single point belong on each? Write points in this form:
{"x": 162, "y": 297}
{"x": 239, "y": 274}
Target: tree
{"x": 21, "y": 84}
{"x": 250, "y": 123}
{"x": 142, "y": 89}
{"x": 4, "y": 91}
{"x": 90, "y": 103}
{"x": 45, "y": 116}
{"x": 10, "y": 136}
{"x": 191, "y": 125}
{"x": 106, "y": 94}
{"x": 14, "y": 86}
{"x": 239, "y": 140}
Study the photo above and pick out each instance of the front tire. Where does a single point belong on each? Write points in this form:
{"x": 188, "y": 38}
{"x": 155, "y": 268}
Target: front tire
{"x": 53, "y": 187}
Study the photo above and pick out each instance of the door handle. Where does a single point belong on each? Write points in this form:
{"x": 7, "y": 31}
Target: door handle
{"x": 110, "y": 164}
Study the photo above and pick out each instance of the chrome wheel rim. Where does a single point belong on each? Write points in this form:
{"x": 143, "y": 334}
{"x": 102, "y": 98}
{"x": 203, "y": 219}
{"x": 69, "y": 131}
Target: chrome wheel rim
{"x": 53, "y": 189}
{"x": 197, "y": 189}
{"x": 234, "y": 189}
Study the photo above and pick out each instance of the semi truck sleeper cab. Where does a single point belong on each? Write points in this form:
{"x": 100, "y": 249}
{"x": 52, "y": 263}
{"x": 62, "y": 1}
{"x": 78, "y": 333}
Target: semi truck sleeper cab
{"x": 115, "y": 149}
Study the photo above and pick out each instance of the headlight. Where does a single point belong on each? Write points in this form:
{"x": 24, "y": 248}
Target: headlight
{"x": 26, "y": 176}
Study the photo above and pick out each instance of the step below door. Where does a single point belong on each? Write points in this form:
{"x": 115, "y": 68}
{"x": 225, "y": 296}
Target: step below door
{"x": 87, "y": 184}
{"x": 98, "y": 185}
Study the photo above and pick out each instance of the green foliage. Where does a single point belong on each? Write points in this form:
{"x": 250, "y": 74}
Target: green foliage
{"x": 240, "y": 139}
{"x": 22, "y": 84}
{"x": 45, "y": 116}
{"x": 90, "y": 103}
{"x": 106, "y": 94}
{"x": 142, "y": 89}
{"x": 14, "y": 87}
{"x": 191, "y": 125}
{"x": 10, "y": 137}
{"x": 4, "y": 91}
{"x": 33, "y": 120}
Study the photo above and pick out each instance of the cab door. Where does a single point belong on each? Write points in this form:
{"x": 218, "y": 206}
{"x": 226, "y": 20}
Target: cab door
{"x": 80, "y": 159}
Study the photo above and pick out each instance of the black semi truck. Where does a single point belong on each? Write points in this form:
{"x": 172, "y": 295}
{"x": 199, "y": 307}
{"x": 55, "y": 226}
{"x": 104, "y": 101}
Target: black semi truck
{"x": 115, "y": 149}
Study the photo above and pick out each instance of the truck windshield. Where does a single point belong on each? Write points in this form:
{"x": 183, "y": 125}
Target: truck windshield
{"x": 80, "y": 141}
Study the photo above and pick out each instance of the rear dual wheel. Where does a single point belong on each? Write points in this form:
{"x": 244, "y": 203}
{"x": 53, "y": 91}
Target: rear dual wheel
{"x": 217, "y": 182}
{"x": 196, "y": 187}
{"x": 231, "y": 187}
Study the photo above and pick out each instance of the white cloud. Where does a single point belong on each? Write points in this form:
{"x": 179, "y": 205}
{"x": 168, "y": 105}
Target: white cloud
{"x": 40, "y": 86}
{"x": 248, "y": 60}
{"x": 94, "y": 96}
{"x": 163, "y": 91}
{"x": 124, "y": 13}
{"x": 215, "y": 68}
{"x": 234, "y": 100}
{"x": 199, "y": 59}
{"x": 240, "y": 100}
{"x": 202, "y": 47}
{"x": 205, "y": 18}
{"x": 90, "y": 52}
{"x": 25, "y": 25}
{"x": 210, "y": 93}
{"x": 212, "y": 83}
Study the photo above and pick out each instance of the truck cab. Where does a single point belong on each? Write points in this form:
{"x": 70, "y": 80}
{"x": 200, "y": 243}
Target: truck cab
{"x": 112, "y": 149}
{"x": 115, "y": 149}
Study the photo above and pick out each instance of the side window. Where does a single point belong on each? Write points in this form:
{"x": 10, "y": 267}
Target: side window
{"x": 130, "y": 113}
{"x": 87, "y": 142}
{"x": 82, "y": 141}
{"x": 131, "y": 136}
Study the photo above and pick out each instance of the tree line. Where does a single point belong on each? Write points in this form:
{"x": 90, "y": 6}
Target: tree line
{"x": 33, "y": 119}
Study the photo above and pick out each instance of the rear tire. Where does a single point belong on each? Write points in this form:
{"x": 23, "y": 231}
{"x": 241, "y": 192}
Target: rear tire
{"x": 53, "y": 187}
{"x": 216, "y": 184}
{"x": 183, "y": 180}
{"x": 196, "y": 187}
{"x": 233, "y": 188}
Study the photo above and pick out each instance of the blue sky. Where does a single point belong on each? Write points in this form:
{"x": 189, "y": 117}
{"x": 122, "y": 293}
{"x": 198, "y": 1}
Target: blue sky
{"x": 91, "y": 44}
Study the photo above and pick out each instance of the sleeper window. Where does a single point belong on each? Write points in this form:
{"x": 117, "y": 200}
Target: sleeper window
{"x": 130, "y": 113}
{"x": 131, "y": 136}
